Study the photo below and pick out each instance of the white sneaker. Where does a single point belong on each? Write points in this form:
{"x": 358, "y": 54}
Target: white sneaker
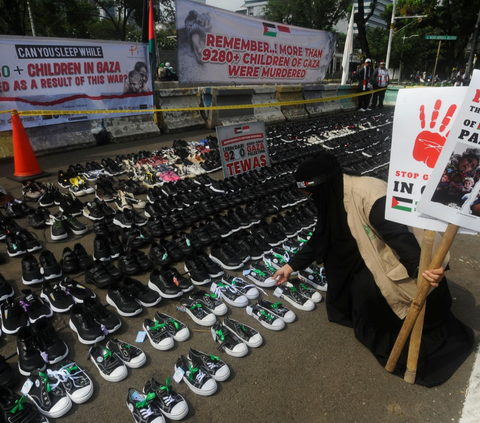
{"x": 368, "y": 109}
{"x": 361, "y": 109}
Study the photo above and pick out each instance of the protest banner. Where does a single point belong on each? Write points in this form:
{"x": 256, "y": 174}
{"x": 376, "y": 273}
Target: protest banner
{"x": 215, "y": 45}
{"x": 452, "y": 193}
{"x": 416, "y": 148}
{"x": 69, "y": 74}
{"x": 243, "y": 147}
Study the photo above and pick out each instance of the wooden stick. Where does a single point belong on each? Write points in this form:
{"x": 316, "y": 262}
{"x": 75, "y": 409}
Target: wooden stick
{"x": 416, "y": 336}
{"x": 422, "y": 290}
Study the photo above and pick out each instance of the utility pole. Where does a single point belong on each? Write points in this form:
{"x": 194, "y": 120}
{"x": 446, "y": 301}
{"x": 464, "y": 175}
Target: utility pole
{"x": 390, "y": 35}
{"x": 474, "y": 46}
{"x": 31, "y": 19}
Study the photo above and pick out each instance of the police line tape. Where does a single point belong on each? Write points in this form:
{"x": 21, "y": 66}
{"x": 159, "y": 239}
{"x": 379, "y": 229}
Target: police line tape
{"x": 183, "y": 109}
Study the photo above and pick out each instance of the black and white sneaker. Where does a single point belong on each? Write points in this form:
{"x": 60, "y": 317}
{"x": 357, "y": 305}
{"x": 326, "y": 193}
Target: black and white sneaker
{"x": 305, "y": 291}
{"x": 146, "y": 296}
{"x": 60, "y": 301}
{"x": 6, "y": 290}
{"x": 58, "y": 231}
{"x": 210, "y": 301}
{"x": 196, "y": 378}
{"x": 246, "y": 333}
{"x": 229, "y": 341}
{"x": 29, "y": 358}
{"x": 71, "y": 223}
{"x": 199, "y": 314}
{"x": 30, "y": 240}
{"x": 35, "y": 307}
{"x": 15, "y": 245}
{"x": 120, "y": 298}
{"x": 102, "y": 315}
{"x": 211, "y": 364}
{"x": 14, "y": 316}
{"x": 131, "y": 355}
{"x": 196, "y": 270}
{"x": 173, "y": 405}
{"x": 276, "y": 260}
{"x": 75, "y": 381}
{"x": 261, "y": 274}
{"x": 277, "y": 309}
{"x": 88, "y": 330}
{"x": 50, "y": 267}
{"x": 111, "y": 368}
{"x": 249, "y": 290}
{"x": 178, "y": 330}
{"x": 144, "y": 408}
{"x": 15, "y": 408}
{"x": 265, "y": 318}
{"x": 290, "y": 293}
{"x": 158, "y": 334}
{"x": 229, "y": 294}
{"x": 315, "y": 278}
{"x": 76, "y": 290}
{"x": 52, "y": 348}
{"x": 223, "y": 254}
{"x": 31, "y": 273}
{"x": 50, "y": 398}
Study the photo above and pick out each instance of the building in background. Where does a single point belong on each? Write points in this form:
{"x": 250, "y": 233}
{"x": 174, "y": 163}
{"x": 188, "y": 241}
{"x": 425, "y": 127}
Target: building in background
{"x": 374, "y": 21}
{"x": 253, "y": 8}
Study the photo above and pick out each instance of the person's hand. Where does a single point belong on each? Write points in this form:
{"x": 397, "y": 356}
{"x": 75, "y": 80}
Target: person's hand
{"x": 434, "y": 276}
{"x": 282, "y": 274}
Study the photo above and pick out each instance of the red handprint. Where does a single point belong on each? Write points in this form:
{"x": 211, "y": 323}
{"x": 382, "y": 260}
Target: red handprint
{"x": 429, "y": 144}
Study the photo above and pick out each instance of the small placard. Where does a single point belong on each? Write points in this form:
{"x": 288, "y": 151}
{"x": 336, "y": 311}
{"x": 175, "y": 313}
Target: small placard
{"x": 181, "y": 308}
{"x": 246, "y": 272}
{"x": 26, "y": 387}
{"x": 278, "y": 292}
{"x": 213, "y": 287}
{"x": 141, "y": 336}
{"x": 249, "y": 310}
{"x": 178, "y": 375}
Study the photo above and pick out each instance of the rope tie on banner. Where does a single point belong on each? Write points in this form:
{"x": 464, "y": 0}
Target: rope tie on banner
{"x": 183, "y": 109}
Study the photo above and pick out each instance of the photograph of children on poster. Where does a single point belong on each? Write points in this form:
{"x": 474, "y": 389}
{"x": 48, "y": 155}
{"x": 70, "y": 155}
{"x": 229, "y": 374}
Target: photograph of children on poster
{"x": 452, "y": 193}
{"x": 416, "y": 148}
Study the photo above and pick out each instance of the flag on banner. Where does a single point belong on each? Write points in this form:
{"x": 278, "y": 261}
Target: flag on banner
{"x": 151, "y": 42}
{"x": 271, "y": 30}
{"x": 404, "y": 204}
{"x": 347, "y": 51}
{"x": 242, "y": 129}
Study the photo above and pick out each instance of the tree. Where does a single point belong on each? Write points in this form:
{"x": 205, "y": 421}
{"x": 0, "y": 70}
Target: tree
{"x": 307, "y": 13}
{"x": 360, "y": 19}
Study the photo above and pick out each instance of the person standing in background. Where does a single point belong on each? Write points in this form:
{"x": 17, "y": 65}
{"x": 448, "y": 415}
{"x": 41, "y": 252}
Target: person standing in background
{"x": 364, "y": 77}
{"x": 380, "y": 79}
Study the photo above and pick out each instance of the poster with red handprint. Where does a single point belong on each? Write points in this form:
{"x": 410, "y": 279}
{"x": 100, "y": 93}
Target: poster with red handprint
{"x": 452, "y": 192}
{"x": 422, "y": 122}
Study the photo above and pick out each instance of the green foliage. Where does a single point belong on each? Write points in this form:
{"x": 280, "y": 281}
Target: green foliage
{"x": 307, "y": 13}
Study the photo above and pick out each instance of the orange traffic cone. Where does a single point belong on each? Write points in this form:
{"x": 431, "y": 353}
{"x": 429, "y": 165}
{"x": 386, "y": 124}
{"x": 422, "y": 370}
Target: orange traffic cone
{"x": 26, "y": 165}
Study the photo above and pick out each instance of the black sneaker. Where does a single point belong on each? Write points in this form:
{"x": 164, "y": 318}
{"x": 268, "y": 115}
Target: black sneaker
{"x": 163, "y": 282}
{"x": 36, "y": 219}
{"x": 74, "y": 380}
{"x": 131, "y": 355}
{"x": 278, "y": 310}
{"x": 113, "y": 271}
{"x": 52, "y": 348}
{"x": 93, "y": 211}
{"x": 210, "y": 301}
{"x": 125, "y": 219}
{"x": 172, "y": 405}
{"x": 69, "y": 261}
{"x": 212, "y": 268}
{"x": 159, "y": 254}
{"x": 290, "y": 293}
{"x": 30, "y": 241}
{"x": 196, "y": 378}
{"x": 127, "y": 263}
{"x": 223, "y": 254}
{"x": 158, "y": 334}
{"x": 199, "y": 314}
{"x": 31, "y": 273}
{"x": 97, "y": 275}
{"x": 177, "y": 329}
{"x": 58, "y": 231}
{"x": 34, "y": 306}
{"x": 15, "y": 245}
{"x": 102, "y": 315}
{"x": 120, "y": 298}
{"x": 215, "y": 367}
{"x": 142, "y": 260}
{"x": 247, "y": 334}
{"x": 76, "y": 290}
{"x": 144, "y": 408}
{"x": 146, "y": 296}
{"x": 197, "y": 272}
{"x": 101, "y": 250}
{"x": 248, "y": 289}
{"x": 306, "y": 291}
{"x": 111, "y": 368}
{"x": 50, "y": 398}
{"x": 114, "y": 244}
{"x": 14, "y": 316}
{"x": 71, "y": 223}
{"x": 59, "y": 300}
{"x": 6, "y": 290}
{"x": 15, "y": 408}
{"x": 84, "y": 325}
{"x": 266, "y": 319}
{"x": 29, "y": 358}
{"x": 84, "y": 260}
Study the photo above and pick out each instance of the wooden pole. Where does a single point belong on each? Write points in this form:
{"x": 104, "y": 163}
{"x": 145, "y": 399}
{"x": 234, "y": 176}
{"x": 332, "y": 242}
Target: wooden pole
{"x": 416, "y": 336}
{"x": 422, "y": 290}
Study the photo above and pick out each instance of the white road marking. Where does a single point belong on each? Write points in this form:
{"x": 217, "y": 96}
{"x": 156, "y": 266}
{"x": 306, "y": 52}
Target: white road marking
{"x": 471, "y": 406}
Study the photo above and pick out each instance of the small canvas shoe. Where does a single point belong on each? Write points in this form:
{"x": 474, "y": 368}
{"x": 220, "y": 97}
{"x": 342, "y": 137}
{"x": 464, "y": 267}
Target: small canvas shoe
{"x": 278, "y": 310}
{"x": 75, "y": 381}
{"x": 229, "y": 294}
{"x": 266, "y": 319}
{"x": 199, "y": 314}
{"x": 210, "y": 301}
{"x": 144, "y": 408}
{"x": 158, "y": 334}
{"x": 291, "y": 294}
{"x": 196, "y": 378}
{"x": 111, "y": 368}
{"x": 249, "y": 290}
{"x": 246, "y": 333}
{"x": 15, "y": 408}
{"x": 228, "y": 340}
{"x": 178, "y": 330}
{"x": 211, "y": 363}
{"x": 131, "y": 355}
{"x": 306, "y": 291}
{"x": 172, "y": 405}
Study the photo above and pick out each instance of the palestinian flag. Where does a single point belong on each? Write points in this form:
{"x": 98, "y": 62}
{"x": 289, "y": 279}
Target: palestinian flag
{"x": 271, "y": 30}
{"x": 151, "y": 44}
{"x": 241, "y": 129}
{"x": 404, "y": 204}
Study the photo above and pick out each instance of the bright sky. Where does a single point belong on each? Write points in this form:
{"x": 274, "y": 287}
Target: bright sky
{"x": 226, "y": 4}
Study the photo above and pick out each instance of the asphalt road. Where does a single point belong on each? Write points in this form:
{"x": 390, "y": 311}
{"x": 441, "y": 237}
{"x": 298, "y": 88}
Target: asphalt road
{"x": 313, "y": 371}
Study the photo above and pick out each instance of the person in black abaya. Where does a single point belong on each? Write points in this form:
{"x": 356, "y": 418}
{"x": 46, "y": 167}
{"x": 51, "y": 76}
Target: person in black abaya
{"x": 354, "y": 297}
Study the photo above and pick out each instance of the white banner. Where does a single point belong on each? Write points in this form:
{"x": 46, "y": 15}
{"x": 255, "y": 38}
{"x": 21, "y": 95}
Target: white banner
{"x": 452, "y": 193}
{"x": 215, "y": 45}
{"x": 69, "y": 74}
{"x": 416, "y": 147}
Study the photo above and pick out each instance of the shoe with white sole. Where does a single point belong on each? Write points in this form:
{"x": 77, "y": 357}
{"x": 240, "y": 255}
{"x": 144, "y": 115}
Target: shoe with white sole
{"x": 261, "y": 274}
{"x": 119, "y": 297}
{"x": 229, "y": 294}
{"x": 172, "y": 405}
{"x": 178, "y": 330}
{"x": 315, "y": 278}
{"x": 265, "y": 318}
{"x": 75, "y": 381}
{"x": 278, "y": 310}
{"x": 249, "y": 290}
{"x": 196, "y": 378}
{"x": 144, "y": 408}
{"x": 211, "y": 364}
{"x": 158, "y": 335}
{"x": 111, "y": 368}
{"x": 289, "y": 293}
{"x": 305, "y": 291}
{"x": 199, "y": 314}
{"x": 246, "y": 333}
{"x": 229, "y": 342}
{"x": 210, "y": 301}
{"x": 131, "y": 355}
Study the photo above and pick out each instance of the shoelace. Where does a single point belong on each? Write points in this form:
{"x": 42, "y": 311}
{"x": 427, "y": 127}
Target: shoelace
{"x": 167, "y": 397}
{"x": 266, "y": 315}
{"x": 64, "y": 374}
{"x": 200, "y": 375}
{"x": 157, "y": 326}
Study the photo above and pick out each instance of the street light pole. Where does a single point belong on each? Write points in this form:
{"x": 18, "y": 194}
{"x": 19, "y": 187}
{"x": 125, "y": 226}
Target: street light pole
{"x": 401, "y": 55}
{"x": 390, "y": 36}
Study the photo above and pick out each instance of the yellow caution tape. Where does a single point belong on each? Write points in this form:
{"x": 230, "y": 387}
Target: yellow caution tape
{"x": 183, "y": 109}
